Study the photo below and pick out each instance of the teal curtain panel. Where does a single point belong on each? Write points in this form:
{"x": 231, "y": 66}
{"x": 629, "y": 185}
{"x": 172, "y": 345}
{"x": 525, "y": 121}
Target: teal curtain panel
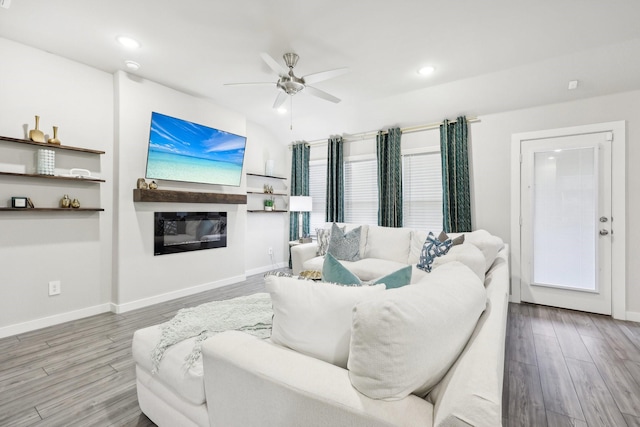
{"x": 389, "y": 178}
{"x": 299, "y": 186}
{"x": 456, "y": 199}
{"x": 335, "y": 180}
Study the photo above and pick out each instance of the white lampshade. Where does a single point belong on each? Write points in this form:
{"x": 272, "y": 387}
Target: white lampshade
{"x": 300, "y": 204}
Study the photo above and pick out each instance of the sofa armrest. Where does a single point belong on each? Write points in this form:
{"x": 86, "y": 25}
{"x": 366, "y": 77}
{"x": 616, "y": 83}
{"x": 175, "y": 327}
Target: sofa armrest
{"x": 301, "y": 253}
{"x": 250, "y": 382}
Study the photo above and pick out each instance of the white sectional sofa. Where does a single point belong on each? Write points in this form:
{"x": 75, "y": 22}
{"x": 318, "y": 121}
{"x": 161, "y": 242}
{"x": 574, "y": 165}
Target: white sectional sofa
{"x": 246, "y": 381}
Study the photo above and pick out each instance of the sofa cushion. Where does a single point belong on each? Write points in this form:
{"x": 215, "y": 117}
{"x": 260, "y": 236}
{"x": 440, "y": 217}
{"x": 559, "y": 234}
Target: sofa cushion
{"x": 388, "y": 243}
{"x": 314, "y": 318}
{"x": 187, "y": 383}
{"x": 372, "y": 268}
{"x": 486, "y": 242}
{"x": 404, "y": 340}
{"x": 345, "y": 246}
{"x": 467, "y": 254}
{"x": 333, "y": 271}
{"x": 314, "y": 263}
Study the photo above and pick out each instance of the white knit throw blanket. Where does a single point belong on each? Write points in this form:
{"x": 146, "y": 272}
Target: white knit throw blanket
{"x": 251, "y": 314}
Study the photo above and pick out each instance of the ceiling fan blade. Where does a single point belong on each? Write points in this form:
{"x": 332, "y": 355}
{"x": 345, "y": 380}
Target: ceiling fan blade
{"x": 250, "y": 84}
{"x": 325, "y": 75}
{"x": 273, "y": 64}
{"x": 320, "y": 94}
{"x": 282, "y": 96}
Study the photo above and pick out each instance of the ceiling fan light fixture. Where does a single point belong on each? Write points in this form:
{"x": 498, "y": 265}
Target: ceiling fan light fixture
{"x": 128, "y": 42}
{"x": 425, "y": 71}
{"x": 291, "y": 84}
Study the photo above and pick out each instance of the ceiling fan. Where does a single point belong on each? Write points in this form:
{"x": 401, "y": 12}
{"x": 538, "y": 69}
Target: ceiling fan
{"x": 289, "y": 84}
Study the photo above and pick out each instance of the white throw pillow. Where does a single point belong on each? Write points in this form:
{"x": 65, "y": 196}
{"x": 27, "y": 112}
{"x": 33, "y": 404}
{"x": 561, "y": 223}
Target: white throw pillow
{"x": 405, "y": 340}
{"x": 314, "y": 318}
{"x": 489, "y": 244}
{"x": 467, "y": 254}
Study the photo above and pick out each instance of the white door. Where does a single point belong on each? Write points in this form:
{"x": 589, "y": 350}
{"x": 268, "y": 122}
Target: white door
{"x": 566, "y": 222}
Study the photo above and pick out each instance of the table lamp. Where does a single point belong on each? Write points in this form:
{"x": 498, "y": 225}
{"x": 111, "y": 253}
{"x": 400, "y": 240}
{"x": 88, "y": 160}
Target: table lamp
{"x": 300, "y": 204}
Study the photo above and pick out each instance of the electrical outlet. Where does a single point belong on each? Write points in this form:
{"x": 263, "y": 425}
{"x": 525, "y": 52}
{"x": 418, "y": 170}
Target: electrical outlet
{"x": 270, "y": 251}
{"x": 55, "y": 287}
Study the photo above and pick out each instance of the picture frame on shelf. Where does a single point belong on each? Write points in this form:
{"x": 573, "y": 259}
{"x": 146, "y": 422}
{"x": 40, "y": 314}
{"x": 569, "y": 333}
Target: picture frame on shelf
{"x": 19, "y": 202}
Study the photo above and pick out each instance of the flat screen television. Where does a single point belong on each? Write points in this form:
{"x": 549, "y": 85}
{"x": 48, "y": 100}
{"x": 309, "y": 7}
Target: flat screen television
{"x": 180, "y": 150}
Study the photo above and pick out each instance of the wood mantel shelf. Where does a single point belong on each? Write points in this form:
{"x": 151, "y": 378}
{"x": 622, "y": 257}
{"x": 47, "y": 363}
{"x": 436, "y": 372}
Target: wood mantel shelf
{"x": 172, "y": 196}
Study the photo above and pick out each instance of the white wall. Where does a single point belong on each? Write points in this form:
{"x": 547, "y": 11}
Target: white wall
{"x": 491, "y": 139}
{"x": 105, "y": 260}
{"x": 266, "y": 230}
{"x": 140, "y": 277}
{"x": 37, "y": 247}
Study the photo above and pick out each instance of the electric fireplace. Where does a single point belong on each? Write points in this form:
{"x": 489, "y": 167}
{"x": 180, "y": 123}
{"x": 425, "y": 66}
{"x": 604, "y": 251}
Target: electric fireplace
{"x": 189, "y": 231}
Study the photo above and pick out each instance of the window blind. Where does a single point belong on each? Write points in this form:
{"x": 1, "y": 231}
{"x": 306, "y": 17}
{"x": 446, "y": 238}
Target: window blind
{"x": 361, "y": 192}
{"x": 422, "y": 191}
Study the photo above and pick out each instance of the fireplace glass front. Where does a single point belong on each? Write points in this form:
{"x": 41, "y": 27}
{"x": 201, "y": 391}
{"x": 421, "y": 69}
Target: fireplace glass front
{"x": 189, "y": 231}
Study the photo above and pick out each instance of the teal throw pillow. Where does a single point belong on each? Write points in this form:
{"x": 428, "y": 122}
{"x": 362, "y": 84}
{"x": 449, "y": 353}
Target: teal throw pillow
{"x": 431, "y": 249}
{"x": 333, "y": 271}
{"x": 345, "y": 246}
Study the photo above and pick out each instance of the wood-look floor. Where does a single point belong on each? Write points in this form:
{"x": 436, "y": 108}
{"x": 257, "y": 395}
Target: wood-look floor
{"x": 568, "y": 368}
{"x": 562, "y": 368}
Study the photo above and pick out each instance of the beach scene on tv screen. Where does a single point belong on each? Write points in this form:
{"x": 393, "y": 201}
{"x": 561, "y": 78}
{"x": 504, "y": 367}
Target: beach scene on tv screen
{"x": 180, "y": 150}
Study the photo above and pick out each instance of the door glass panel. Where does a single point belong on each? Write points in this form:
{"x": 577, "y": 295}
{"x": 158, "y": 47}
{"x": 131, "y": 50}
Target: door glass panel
{"x": 564, "y": 219}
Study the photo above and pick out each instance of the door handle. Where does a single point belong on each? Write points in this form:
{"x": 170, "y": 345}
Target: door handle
{"x": 604, "y": 232}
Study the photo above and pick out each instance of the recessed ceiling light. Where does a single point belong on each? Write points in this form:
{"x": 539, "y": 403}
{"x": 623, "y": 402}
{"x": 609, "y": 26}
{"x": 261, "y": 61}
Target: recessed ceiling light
{"x": 132, "y": 65}
{"x": 425, "y": 71}
{"x": 282, "y": 110}
{"x": 128, "y": 42}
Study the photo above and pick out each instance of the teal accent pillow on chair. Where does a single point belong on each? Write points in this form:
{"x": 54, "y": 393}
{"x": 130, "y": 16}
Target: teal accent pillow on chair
{"x": 334, "y": 272}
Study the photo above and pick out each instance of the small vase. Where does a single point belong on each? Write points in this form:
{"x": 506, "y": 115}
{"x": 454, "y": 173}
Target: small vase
{"x": 268, "y": 167}
{"x": 55, "y": 139}
{"x": 75, "y": 203}
{"x": 65, "y": 202}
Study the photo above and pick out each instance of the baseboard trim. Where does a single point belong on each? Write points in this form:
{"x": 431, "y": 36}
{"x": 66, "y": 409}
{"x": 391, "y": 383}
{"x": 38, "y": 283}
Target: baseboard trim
{"x": 157, "y": 299}
{"x": 633, "y": 316}
{"x": 266, "y": 268}
{"x": 56, "y": 319}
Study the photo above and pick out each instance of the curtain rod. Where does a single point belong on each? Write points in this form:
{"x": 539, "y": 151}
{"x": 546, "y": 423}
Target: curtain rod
{"x": 371, "y": 134}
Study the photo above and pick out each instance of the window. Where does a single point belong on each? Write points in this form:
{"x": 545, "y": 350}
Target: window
{"x": 318, "y": 192}
{"x": 361, "y": 192}
{"x": 422, "y": 191}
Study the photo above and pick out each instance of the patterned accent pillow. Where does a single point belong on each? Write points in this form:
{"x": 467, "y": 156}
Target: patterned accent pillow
{"x": 345, "y": 246}
{"x": 431, "y": 249}
{"x": 324, "y": 236}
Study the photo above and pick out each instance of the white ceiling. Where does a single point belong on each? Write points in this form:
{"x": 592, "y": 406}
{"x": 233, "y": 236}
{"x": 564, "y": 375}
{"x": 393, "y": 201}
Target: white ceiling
{"x": 490, "y": 56}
